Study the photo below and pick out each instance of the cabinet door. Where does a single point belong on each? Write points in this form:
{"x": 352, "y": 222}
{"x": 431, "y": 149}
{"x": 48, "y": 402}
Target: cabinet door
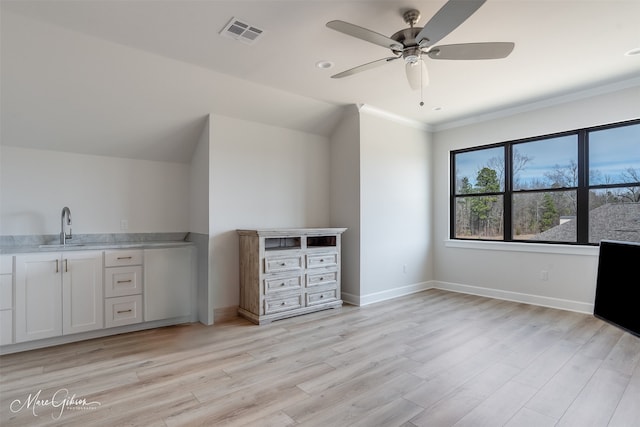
{"x": 38, "y": 309}
{"x": 82, "y": 293}
{"x": 168, "y": 283}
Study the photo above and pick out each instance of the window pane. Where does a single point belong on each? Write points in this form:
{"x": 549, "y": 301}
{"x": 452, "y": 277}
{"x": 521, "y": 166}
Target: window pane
{"x": 480, "y": 171}
{"x": 548, "y": 163}
{"x": 614, "y": 214}
{"x": 545, "y": 216}
{"x": 614, "y": 155}
{"x": 479, "y": 217}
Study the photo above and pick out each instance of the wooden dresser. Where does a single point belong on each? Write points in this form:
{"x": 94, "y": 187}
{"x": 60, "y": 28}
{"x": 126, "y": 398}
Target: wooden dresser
{"x": 288, "y": 272}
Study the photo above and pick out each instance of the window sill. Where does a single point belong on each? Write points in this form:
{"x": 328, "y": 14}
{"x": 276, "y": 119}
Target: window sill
{"x": 524, "y": 247}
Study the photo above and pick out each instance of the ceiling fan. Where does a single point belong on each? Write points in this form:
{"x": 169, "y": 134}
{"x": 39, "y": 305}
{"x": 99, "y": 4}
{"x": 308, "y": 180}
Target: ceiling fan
{"x": 413, "y": 43}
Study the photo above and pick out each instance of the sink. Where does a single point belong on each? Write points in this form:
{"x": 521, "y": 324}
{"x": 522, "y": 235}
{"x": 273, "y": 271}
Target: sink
{"x": 61, "y": 246}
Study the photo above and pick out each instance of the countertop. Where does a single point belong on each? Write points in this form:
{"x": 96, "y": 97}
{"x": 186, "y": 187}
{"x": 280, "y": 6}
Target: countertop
{"x": 19, "y": 245}
{"x": 8, "y": 250}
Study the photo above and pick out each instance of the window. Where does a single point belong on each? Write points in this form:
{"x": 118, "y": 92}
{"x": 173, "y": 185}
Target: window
{"x": 577, "y": 187}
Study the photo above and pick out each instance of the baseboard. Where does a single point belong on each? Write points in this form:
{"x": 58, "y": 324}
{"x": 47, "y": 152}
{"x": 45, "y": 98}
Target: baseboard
{"x": 224, "y": 314}
{"x": 385, "y": 295}
{"x": 98, "y": 333}
{"x": 558, "y": 303}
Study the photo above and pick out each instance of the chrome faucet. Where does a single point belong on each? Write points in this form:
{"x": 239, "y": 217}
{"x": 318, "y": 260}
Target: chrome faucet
{"x": 64, "y": 236}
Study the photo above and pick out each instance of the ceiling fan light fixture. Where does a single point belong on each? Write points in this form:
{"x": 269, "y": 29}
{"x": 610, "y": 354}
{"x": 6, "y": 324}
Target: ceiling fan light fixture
{"x": 417, "y": 75}
{"x": 411, "y": 55}
{"x": 411, "y": 59}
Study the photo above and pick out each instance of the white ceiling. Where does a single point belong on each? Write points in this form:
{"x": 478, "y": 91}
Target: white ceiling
{"x": 561, "y": 47}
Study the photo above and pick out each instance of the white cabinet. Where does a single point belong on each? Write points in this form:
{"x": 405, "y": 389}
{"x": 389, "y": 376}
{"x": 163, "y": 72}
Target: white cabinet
{"x": 38, "y": 296}
{"x": 57, "y": 293}
{"x": 168, "y": 282}
{"x": 288, "y": 272}
{"x": 6, "y": 299}
{"x": 82, "y": 294}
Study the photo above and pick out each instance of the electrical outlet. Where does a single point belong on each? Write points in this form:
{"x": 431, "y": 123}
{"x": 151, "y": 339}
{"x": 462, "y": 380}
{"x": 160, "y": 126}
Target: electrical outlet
{"x": 404, "y": 268}
{"x": 544, "y": 275}
{"x": 124, "y": 224}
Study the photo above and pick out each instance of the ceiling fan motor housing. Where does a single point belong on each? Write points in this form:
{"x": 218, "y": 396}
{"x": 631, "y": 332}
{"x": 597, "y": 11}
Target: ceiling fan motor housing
{"x": 407, "y": 37}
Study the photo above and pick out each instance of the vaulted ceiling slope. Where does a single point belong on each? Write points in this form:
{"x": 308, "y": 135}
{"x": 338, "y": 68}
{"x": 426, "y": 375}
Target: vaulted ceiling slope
{"x": 137, "y": 78}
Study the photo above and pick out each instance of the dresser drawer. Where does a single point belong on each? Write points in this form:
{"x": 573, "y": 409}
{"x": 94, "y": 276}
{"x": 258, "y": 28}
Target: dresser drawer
{"x": 322, "y": 260}
{"x": 276, "y": 305}
{"x": 274, "y": 265}
{"x": 122, "y": 258}
{"x": 279, "y": 284}
{"x": 327, "y": 295}
{"x": 325, "y": 278}
{"x": 122, "y": 311}
{"x": 122, "y": 281}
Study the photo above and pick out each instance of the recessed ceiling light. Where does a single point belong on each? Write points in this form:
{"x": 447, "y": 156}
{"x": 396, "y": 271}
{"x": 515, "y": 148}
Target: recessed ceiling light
{"x": 324, "y": 64}
{"x": 633, "y": 52}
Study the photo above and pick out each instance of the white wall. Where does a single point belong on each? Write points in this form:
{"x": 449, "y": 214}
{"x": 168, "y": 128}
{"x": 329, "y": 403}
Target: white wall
{"x": 262, "y": 176}
{"x": 100, "y": 191}
{"x": 395, "y": 219}
{"x": 199, "y": 184}
{"x": 345, "y": 196}
{"x": 504, "y": 272}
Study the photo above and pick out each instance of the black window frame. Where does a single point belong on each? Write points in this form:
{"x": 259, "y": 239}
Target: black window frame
{"x": 582, "y": 189}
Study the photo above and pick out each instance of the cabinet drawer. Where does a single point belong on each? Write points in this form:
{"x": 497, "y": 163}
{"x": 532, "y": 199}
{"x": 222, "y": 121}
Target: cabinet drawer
{"x": 278, "y": 284}
{"x": 322, "y": 278}
{"x": 121, "y": 258}
{"x": 122, "y": 281}
{"x": 123, "y": 310}
{"x": 322, "y": 260}
{"x": 274, "y": 265}
{"x": 6, "y": 292}
{"x": 314, "y": 298}
{"x": 282, "y": 304}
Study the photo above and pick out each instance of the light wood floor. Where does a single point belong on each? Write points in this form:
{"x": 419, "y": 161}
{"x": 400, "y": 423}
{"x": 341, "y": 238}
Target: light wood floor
{"x": 430, "y": 359}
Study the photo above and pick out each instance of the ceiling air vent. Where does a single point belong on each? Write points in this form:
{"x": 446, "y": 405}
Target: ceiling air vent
{"x": 241, "y": 31}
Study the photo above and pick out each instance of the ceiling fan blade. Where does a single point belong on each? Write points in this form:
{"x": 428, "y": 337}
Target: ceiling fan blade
{"x": 492, "y": 50}
{"x": 363, "y": 67}
{"x": 447, "y": 19}
{"x": 417, "y": 75}
{"x": 365, "y": 34}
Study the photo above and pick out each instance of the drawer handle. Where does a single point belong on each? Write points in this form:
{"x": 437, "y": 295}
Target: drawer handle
{"x": 66, "y": 265}
{"x": 124, "y": 311}
{"x": 282, "y": 284}
{"x": 124, "y": 281}
{"x": 321, "y": 259}
{"x": 124, "y": 257}
{"x": 57, "y": 266}
{"x": 322, "y": 278}
{"x": 283, "y": 303}
{"x": 283, "y": 264}
{"x": 321, "y": 296}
